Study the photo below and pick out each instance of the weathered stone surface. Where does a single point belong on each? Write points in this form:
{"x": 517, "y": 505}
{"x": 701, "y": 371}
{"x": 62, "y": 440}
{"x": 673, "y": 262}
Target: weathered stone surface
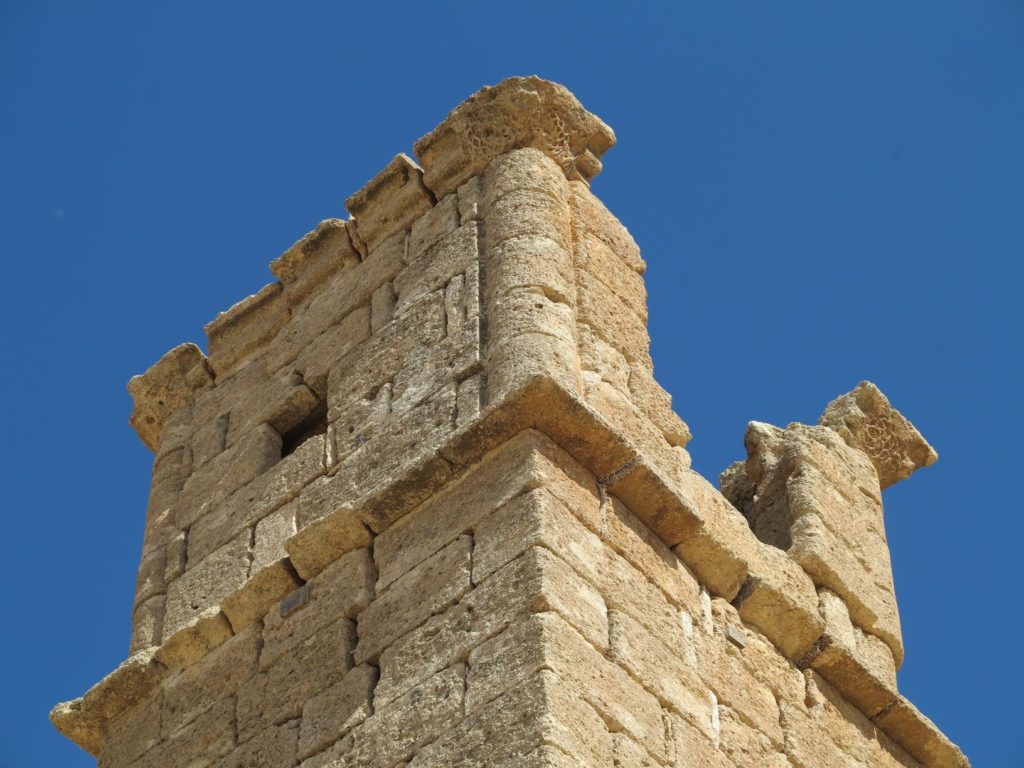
{"x": 334, "y": 712}
{"x": 662, "y": 672}
{"x": 193, "y": 691}
{"x": 518, "y": 112}
{"x": 308, "y": 264}
{"x": 390, "y": 202}
{"x": 278, "y": 694}
{"x": 397, "y": 730}
{"x": 132, "y": 735}
{"x": 543, "y": 710}
{"x": 168, "y": 385}
{"x": 429, "y": 588}
{"x": 865, "y": 420}
{"x": 242, "y": 332}
{"x": 536, "y": 581}
{"x": 342, "y": 590}
{"x": 807, "y": 492}
{"x": 546, "y": 641}
{"x": 205, "y": 585}
{"x": 435, "y": 510}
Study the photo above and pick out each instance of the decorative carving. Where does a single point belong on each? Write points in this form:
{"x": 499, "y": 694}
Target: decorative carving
{"x": 865, "y": 420}
{"x": 516, "y": 113}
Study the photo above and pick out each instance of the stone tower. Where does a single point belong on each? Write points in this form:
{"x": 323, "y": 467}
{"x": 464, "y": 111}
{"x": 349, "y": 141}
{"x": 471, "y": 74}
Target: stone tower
{"x": 424, "y": 504}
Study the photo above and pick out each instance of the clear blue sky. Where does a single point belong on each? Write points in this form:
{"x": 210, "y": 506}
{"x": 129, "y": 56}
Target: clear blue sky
{"x": 824, "y": 192}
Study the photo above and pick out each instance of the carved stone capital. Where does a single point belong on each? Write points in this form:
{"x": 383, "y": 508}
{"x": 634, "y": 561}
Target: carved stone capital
{"x": 168, "y": 385}
{"x": 516, "y": 113}
{"x": 866, "y": 421}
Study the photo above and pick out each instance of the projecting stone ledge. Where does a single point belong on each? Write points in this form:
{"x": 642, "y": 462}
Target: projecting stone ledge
{"x": 517, "y": 112}
{"x": 171, "y": 383}
{"x": 866, "y": 421}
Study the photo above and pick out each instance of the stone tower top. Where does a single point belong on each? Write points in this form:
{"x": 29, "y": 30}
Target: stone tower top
{"x": 424, "y": 504}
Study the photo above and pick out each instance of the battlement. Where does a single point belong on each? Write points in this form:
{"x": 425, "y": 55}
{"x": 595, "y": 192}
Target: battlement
{"x": 424, "y": 503}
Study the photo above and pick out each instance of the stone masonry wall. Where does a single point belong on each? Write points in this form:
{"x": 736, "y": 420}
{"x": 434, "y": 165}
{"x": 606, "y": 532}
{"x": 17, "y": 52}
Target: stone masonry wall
{"x": 424, "y": 504}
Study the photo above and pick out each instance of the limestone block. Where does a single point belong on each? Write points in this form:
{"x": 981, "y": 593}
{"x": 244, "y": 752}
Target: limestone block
{"x": 661, "y": 671}
{"x": 431, "y": 269}
{"x": 337, "y": 305}
{"x": 310, "y": 262}
{"x": 332, "y": 713}
{"x": 243, "y": 331}
{"x": 343, "y": 589}
{"x": 315, "y": 360}
{"x": 176, "y": 557}
{"x": 536, "y": 581}
{"x": 747, "y": 747}
{"x": 536, "y": 519}
{"x": 600, "y": 358}
{"x": 263, "y": 589}
{"x": 595, "y": 258}
{"x": 693, "y": 747}
{"x": 147, "y": 624}
{"x": 865, "y": 420}
{"x": 397, "y": 730}
{"x": 759, "y": 656}
{"x": 468, "y": 400}
{"x": 626, "y": 418}
{"x": 87, "y": 719}
{"x": 471, "y": 198}
{"x": 591, "y": 217}
{"x": 685, "y": 512}
{"x": 919, "y": 736}
{"x": 528, "y": 460}
{"x": 629, "y": 754}
{"x": 402, "y": 606}
{"x": 440, "y": 220}
{"x": 629, "y": 537}
{"x": 831, "y": 565}
{"x": 271, "y": 534}
{"x": 170, "y": 384}
{"x": 543, "y": 710}
{"x": 207, "y": 583}
{"x": 193, "y": 691}
{"x": 271, "y": 747}
{"x": 518, "y": 112}
{"x": 310, "y": 667}
{"x": 346, "y": 292}
{"x": 254, "y": 454}
{"x": 327, "y": 530}
{"x": 656, "y": 404}
{"x": 277, "y": 485}
{"x": 807, "y": 746}
{"x": 195, "y": 639}
{"x": 778, "y": 598}
{"x": 611, "y": 319}
{"x": 848, "y": 728}
{"x": 390, "y": 202}
{"x": 546, "y": 641}
{"x": 149, "y": 581}
{"x": 198, "y": 745}
{"x": 132, "y": 734}
{"x": 400, "y": 466}
{"x": 523, "y": 212}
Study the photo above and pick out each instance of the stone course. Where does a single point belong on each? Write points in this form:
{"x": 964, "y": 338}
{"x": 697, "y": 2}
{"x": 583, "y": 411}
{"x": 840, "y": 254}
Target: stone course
{"x": 425, "y": 504}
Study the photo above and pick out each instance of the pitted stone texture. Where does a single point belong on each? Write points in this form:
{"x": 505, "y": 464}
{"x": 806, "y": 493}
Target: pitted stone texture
{"x": 865, "y": 420}
{"x": 171, "y": 383}
{"x": 518, "y": 112}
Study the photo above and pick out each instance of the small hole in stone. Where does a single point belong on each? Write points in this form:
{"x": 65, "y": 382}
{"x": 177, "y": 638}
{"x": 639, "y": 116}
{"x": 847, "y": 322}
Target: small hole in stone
{"x": 311, "y": 426}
